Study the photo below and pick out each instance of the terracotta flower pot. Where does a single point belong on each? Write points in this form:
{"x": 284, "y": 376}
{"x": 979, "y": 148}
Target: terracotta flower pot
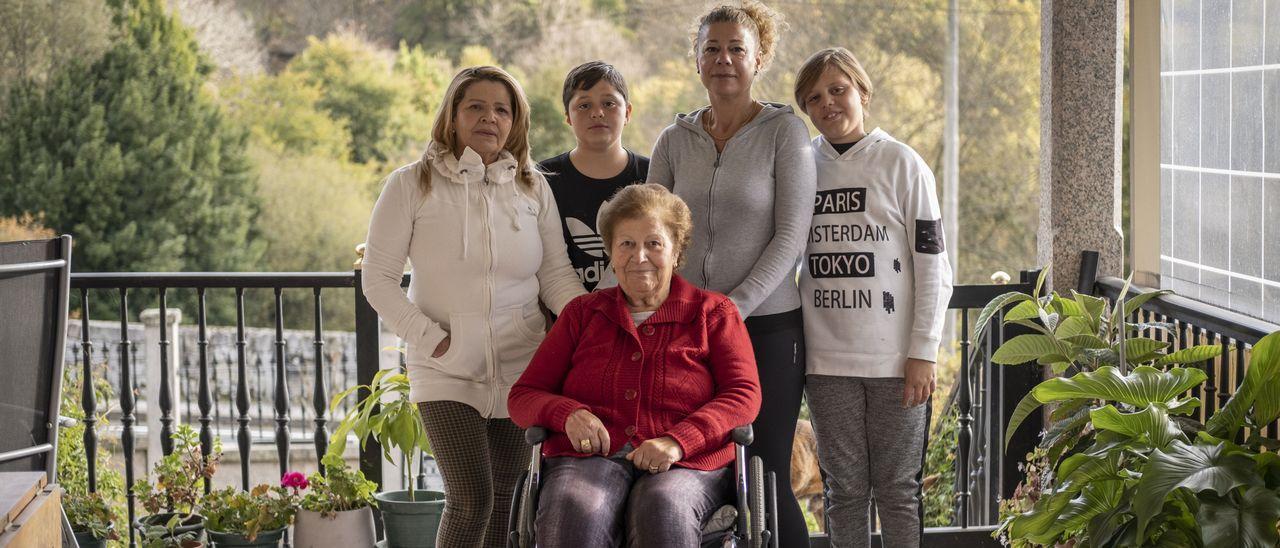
{"x": 348, "y": 529}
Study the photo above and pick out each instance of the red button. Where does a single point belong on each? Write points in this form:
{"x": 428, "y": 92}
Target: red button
{"x": 629, "y": 394}
{"x": 648, "y": 330}
{"x": 631, "y": 430}
{"x": 635, "y": 357}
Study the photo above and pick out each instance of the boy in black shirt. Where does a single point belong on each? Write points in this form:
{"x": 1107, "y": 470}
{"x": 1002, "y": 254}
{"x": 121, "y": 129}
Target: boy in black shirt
{"x": 596, "y": 107}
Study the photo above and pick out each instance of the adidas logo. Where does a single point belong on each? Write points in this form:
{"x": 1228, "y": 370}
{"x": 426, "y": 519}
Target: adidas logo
{"x": 584, "y": 238}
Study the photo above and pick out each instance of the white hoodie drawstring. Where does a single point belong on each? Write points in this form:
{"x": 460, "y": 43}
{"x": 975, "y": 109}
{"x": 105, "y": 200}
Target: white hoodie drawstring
{"x": 515, "y": 201}
{"x": 466, "y": 213}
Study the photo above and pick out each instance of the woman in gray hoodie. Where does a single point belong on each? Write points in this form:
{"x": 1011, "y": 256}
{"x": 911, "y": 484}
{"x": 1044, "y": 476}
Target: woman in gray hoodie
{"x": 746, "y": 171}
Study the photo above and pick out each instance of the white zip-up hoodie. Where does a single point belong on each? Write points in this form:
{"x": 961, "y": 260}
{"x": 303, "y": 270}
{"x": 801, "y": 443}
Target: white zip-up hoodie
{"x": 876, "y": 281}
{"x": 483, "y": 248}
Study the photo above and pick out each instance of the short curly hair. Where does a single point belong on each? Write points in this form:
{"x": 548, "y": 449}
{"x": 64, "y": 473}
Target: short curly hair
{"x": 648, "y": 200}
{"x": 764, "y": 22}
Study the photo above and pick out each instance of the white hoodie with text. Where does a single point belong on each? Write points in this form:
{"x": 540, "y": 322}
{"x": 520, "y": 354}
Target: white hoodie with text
{"x": 875, "y": 281}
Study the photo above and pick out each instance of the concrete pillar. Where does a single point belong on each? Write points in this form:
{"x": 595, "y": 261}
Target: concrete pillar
{"x": 1081, "y": 87}
{"x": 151, "y": 319}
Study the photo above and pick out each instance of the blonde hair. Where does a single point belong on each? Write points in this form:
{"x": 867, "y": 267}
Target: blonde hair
{"x": 839, "y": 58}
{"x": 517, "y": 141}
{"x": 764, "y": 22}
{"x": 648, "y": 200}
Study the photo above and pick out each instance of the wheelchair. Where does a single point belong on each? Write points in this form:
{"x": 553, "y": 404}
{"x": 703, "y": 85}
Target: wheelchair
{"x": 754, "y": 516}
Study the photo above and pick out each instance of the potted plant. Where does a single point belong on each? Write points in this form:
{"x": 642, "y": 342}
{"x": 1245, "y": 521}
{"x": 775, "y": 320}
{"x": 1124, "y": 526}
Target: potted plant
{"x": 1124, "y": 462}
{"x": 178, "y": 485}
{"x": 258, "y": 517}
{"x": 337, "y": 509}
{"x": 91, "y": 518}
{"x": 166, "y": 535}
{"x": 410, "y": 517}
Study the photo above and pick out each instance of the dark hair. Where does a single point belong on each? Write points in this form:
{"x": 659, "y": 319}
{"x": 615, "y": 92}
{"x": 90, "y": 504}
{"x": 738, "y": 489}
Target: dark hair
{"x": 587, "y": 75}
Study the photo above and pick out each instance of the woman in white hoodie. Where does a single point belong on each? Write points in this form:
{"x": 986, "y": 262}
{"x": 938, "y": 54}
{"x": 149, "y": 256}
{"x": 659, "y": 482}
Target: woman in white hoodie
{"x": 479, "y": 227}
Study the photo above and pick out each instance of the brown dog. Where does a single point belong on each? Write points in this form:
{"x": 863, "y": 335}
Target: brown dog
{"x": 806, "y": 478}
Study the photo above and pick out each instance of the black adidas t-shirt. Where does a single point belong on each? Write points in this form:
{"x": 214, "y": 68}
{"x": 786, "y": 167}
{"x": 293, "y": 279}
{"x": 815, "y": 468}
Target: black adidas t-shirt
{"x": 579, "y": 198}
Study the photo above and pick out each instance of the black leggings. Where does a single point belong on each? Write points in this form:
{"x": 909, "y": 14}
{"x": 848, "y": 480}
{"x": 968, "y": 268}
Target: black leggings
{"x": 778, "y": 340}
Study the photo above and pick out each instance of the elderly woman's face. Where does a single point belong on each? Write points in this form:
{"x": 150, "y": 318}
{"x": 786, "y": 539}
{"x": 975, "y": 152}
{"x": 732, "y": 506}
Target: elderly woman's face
{"x": 643, "y": 256}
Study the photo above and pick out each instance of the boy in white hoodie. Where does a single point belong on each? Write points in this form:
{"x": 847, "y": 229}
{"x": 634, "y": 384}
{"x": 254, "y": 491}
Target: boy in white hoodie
{"x": 875, "y": 286}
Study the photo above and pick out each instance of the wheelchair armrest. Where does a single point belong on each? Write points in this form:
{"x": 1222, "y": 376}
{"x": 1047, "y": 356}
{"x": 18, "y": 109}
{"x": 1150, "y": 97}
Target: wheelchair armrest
{"x": 535, "y": 435}
{"x": 742, "y": 435}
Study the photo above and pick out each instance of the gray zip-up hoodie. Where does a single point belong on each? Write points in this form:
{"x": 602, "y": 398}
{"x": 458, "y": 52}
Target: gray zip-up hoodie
{"x": 751, "y": 204}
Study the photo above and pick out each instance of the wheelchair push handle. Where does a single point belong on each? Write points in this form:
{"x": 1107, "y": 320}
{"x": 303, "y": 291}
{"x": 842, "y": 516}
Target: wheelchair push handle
{"x": 742, "y": 435}
{"x": 535, "y": 435}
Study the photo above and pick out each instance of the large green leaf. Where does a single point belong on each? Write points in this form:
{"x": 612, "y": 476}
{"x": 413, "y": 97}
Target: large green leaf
{"x": 1139, "y": 350}
{"x": 1074, "y": 325}
{"x": 1045, "y": 521}
{"x": 1245, "y": 520}
{"x": 1094, "y": 307}
{"x": 1150, "y": 425}
{"x": 1068, "y": 307}
{"x": 1136, "y": 302}
{"x": 1026, "y": 405}
{"x": 1096, "y": 498}
{"x": 1259, "y": 386}
{"x": 1024, "y": 310}
{"x": 1024, "y": 348}
{"x": 1143, "y": 386}
{"x": 1193, "y": 467}
{"x": 1195, "y": 354}
{"x": 997, "y": 304}
{"x": 1089, "y": 341}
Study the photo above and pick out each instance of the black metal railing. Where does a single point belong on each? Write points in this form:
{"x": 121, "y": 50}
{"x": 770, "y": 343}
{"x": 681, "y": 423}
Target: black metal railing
{"x": 985, "y": 395}
{"x": 201, "y": 283}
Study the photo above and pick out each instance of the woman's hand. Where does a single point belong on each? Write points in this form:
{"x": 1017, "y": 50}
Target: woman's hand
{"x": 656, "y": 455}
{"x": 587, "y": 433}
{"x": 921, "y": 377}
{"x": 441, "y": 348}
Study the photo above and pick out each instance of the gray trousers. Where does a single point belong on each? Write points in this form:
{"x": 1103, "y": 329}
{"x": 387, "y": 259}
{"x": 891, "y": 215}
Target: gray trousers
{"x": 595, "y": 501}
{"x": 869, "y": 447}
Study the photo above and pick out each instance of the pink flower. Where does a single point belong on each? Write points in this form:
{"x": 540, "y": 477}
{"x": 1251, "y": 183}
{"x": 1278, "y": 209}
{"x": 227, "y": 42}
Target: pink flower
{"x": 294, "y": 480}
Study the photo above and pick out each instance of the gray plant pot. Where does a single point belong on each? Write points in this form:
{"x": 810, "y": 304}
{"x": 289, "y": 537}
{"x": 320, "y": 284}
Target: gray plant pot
{"x": 349, "y": 529}
{"x": 411, "y": 524}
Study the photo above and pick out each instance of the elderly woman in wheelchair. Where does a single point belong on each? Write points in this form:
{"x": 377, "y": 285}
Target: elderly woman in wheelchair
{"x": 638, "y": 388}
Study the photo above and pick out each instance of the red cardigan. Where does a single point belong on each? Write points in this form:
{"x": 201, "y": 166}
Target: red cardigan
{"x": 688, "y": 372}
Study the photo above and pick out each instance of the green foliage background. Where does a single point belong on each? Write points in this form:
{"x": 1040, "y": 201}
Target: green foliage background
{"x": 160, "y": 150}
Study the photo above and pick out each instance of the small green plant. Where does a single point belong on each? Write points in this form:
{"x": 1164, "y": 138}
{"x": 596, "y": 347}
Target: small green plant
{"x": 340, "y": 488}
{"x": 1124, "y": 463}
{"x": 248, "y": 513}
{"x": 179, "y": 475}
{"x": 386, "y": 415}
{"x": 91, "y": 513}
{"x": 940, "y": 473}
{"x": 164, "y": 536}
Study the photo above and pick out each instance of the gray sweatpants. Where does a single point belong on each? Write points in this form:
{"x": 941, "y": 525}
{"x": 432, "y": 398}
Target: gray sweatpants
{"x": 869, "y": 447}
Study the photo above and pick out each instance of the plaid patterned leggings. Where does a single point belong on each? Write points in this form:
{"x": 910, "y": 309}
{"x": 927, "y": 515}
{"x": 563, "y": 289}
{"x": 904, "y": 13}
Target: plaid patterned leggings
{"x": 481, "y": 460}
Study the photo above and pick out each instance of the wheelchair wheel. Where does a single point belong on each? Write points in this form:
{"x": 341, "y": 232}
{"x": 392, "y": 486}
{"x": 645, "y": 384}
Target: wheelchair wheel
{"x": 755, "y": 501}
